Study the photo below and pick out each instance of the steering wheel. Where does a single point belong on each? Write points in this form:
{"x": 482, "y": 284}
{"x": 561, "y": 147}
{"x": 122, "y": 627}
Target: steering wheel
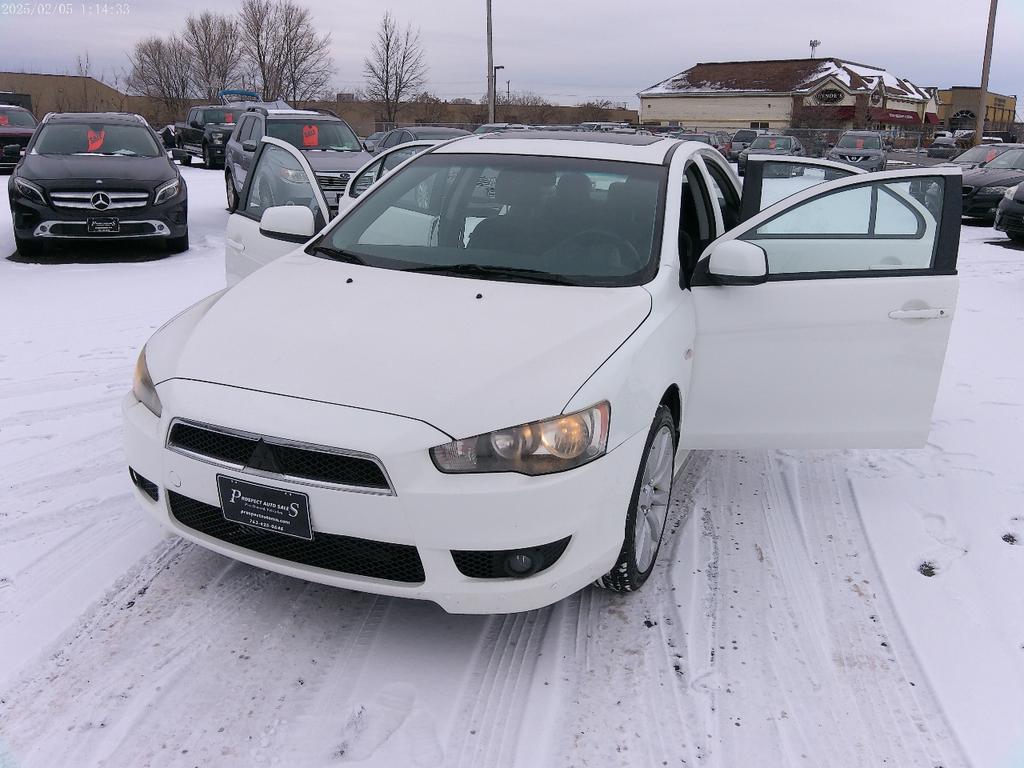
{"x": 591, "y": 238}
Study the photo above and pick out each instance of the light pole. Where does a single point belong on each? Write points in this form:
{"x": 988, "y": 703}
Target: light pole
{"x": 490, "y": 67}
{"x": 979, "y": 125}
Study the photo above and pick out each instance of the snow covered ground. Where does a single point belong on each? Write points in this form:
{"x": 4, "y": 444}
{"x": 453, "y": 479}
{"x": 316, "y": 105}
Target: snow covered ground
{"x": 790, "y": 621}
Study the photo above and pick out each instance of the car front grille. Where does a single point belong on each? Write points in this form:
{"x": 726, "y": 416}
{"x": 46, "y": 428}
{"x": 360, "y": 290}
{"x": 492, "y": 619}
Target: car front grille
{"x": 855, "y": 158}
{"x": 112, "y": 201}
{"x": 491, "y": 563}
{"x": 290, "y": 460}
{"x": 344, "y": 554}
{"x": 333, "y": 182}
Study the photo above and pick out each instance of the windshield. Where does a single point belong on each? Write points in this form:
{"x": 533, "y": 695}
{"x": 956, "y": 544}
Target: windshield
{"x": 745, "y": 136}
{"x": 545, "y": 219}
{"x": 315, "y": 134}
{"x": 16, "y": 118}
{"x": 1013, "y": 158}
{"x": 980, "y": 154}
{"x": 859, "y": 142}
{"x": 772, "y": 142}
{"x": 96, "y": 139}
{"x": 219, "y": 116}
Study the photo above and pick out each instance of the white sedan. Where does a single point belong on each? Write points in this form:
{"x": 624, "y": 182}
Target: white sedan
{"x": 475, "y": 386}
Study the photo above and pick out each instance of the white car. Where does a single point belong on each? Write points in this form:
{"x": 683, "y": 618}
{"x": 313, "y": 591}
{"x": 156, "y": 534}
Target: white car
{"x": 476, "y": 385}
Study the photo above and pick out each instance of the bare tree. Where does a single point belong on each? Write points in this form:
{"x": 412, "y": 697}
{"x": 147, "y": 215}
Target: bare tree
{"x": 528, "y": 107}
{"x": 161, "y": 68}
{"x": 429, "y": 108}
{"x": 593, "y": 110}
{"x": 306, "y": 61}
{"x": 260, "y": 42}
{"x": 213, "y": 44}
{"x": 282, "y": 53}
{"x": 395, "y": 68}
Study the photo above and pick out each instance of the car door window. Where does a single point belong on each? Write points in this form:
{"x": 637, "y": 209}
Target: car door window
{"x": 725, "y": 193}
{"x": 696, "y": 222}
{"x": 364, "y": 180}
{"x": 278, "y": 179}
{"x": 245, "y": 132}
{"x": 873, "y": 226}
{"x": 399, "y": 156}
{"x": 256, "y": 132}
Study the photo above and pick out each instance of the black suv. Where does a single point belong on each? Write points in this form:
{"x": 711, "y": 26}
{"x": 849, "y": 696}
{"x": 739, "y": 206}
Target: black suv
{"x": 16, "y": 127}
{"x": 330, "y": 145}
{"x": 204, "y": 134}
{"x": 97, "y": 176}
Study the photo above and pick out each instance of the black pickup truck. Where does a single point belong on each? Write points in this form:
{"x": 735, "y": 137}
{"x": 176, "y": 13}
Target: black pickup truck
{"x": 205, "y": 132}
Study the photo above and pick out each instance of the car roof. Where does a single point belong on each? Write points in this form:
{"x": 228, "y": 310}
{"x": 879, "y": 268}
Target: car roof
{"x": 127, "y": 118}
{"x": 861, "y": 133}
{"x": 625, "y": 147}
{"x": 13, "y": 106}
{"x": 434, "y": 130}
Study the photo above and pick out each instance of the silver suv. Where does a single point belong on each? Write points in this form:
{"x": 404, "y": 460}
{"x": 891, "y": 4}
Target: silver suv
{"x": 863, "y": 149}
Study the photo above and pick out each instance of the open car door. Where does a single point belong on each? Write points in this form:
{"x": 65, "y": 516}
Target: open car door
{"x": 822, "y": 321}
{"x": 261, "y": 229}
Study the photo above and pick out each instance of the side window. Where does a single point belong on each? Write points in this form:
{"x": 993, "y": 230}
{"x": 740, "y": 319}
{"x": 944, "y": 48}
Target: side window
{"x": 365, "y": 179}
{"x": 278, "y": 179}
{"x": 696, "y": 222}
{"x": 779, "y": 180}
{"x": 245, "y": 129}
{"x": 399, "y": 156}
{"x": 728, "y": 200}
{"x": 868, "y": 227}
{"x": 256, "y": 130}
{"x": 191, "y": 116}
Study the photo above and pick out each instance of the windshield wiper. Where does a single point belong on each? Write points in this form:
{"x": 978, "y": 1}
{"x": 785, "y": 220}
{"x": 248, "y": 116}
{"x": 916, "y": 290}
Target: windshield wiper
{"x": 337, "y": 254}
{"x": 491, "y": 272}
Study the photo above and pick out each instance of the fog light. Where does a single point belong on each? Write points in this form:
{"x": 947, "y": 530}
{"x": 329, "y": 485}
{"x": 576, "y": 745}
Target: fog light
{"x": 519, "y": 563}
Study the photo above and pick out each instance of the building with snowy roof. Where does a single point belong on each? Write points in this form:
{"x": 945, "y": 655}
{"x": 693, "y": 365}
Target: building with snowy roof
{"x": 788, "y": 93}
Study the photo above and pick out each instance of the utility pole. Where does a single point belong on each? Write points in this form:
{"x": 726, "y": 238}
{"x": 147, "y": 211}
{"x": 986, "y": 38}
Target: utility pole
{"x": 490, "y": 67}
{"x": 979, "y": 125}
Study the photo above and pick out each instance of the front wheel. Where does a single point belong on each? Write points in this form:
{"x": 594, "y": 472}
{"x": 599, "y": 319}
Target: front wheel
{"x": 1017, "y": 237}
{"x": 648, "y": 508}
{"x": 232, "y": 193}
{"x": 207, "y": 158}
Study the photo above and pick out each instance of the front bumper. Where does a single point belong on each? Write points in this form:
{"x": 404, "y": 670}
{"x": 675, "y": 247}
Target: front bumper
{"x": 33, "y": 220}
{"x": 433, "y": 512}
{"x": 978, "y": 206}
{"x": 1010, "y": 217}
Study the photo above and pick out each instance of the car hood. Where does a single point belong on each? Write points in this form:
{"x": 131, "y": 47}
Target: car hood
{"x": 15, "y": 131}
{"x": 91, "y": 167}
{"x": 466, "y": 356}
{"x": 987, "y": 177}
{"x": 751, "y": 151}
{"x": 337, "y": 161}
{"x": 856, "y": 152}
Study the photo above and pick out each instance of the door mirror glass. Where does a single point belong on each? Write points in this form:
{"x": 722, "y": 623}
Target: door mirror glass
{"x": 249, "y": 146}
{"x": 180, "y": 155}
{"x": 292, "y": 223}
{"x": 736, "y": 262}
{"x": 12, "y": 150}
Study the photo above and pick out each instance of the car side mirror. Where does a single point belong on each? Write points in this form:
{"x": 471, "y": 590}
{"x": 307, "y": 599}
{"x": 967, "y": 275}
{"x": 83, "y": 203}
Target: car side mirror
{"x": 249, "y": 146}
{"x": 180, "y": 155}
{"x": 12, "y": 150}
{"x": 737, "y": 262}
{"x": 291, "y": 223}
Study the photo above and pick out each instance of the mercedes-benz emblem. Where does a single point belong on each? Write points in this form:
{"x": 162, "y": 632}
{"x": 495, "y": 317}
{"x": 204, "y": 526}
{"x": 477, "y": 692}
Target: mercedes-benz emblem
{"x": 101, "y": 201}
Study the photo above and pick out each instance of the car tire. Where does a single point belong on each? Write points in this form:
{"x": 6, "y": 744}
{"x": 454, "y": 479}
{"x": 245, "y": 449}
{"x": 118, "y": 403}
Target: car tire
{"x": 231, "y": 192}
{"x": 29, "y": 248}
{"x": 1017, "y": 237}
{"x": 207, "y": 159}
{"x": 648, "y": 508}
{"x": 177, "y": 244}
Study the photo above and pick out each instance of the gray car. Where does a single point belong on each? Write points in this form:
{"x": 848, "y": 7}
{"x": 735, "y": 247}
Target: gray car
{"x": 772, "y": 144}
{"x": 862, "y": 149}
{"x": 741, "y": 140}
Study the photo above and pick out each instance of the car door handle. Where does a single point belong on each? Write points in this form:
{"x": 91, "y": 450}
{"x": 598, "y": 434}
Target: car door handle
{"x": 238, "y": 245}
{"x": 918, "y": 314}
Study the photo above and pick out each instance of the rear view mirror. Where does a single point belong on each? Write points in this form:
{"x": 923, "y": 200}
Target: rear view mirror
{"x": 737, "y": 262}
{"x": 12, "y": 150}
{"x": 291, "y": 223}
{"x": 249, "y": 146}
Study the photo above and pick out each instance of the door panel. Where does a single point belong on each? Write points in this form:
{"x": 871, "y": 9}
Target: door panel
{"x": 841, "y": 347}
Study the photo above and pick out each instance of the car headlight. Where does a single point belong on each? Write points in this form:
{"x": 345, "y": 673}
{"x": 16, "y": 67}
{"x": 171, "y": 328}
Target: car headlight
{"x": 166, "y": 191}
{"x": 30, "y": 190}
{"x": 143, "y": 387}
{"x": 538, "y": 448}
{"x": 1011, "y": 191}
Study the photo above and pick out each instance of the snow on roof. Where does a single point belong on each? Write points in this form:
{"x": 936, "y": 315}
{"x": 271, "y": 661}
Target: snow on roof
{"x": 784, "y": 76}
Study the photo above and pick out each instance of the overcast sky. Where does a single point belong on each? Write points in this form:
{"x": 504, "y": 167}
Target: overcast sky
{"x": 574, "y": 50}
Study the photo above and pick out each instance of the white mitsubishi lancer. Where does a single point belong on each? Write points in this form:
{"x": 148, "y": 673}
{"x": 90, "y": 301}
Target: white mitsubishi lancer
{"x": 476, "y": 384}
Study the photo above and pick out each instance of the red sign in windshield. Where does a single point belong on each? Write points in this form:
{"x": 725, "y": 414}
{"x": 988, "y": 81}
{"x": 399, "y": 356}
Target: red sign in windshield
{"x": 96, "y": 139}
{"x": 310, "y": 136}
{"x": 5, "y": 120}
